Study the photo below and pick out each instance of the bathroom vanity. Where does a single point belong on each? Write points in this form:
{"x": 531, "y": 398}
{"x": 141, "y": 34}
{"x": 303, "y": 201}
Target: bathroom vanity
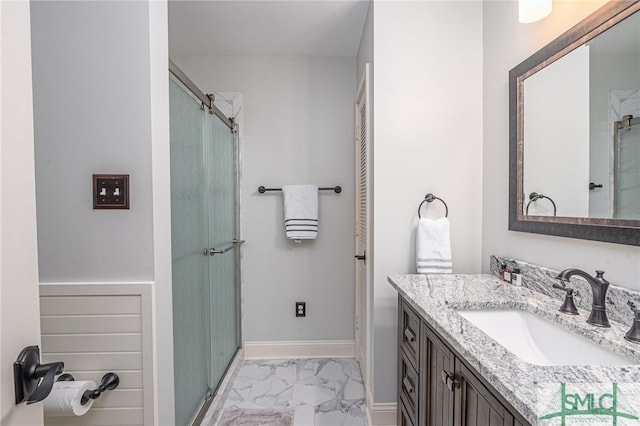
{"x": 453, "y": 368}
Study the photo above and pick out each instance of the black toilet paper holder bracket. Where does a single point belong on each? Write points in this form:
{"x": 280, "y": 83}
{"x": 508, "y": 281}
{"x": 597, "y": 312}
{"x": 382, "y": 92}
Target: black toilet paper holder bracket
{"x": 109, "y": 381}
{"x": 33, "y": 381}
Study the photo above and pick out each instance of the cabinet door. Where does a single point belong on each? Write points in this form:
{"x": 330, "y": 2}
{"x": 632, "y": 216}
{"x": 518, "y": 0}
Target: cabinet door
{"x": 474, "y": 403}
{"x": 437, "y": 361}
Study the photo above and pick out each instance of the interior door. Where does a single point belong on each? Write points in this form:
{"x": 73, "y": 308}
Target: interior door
{"x": 362, "y": 228}
{"x": 19, "y": 305}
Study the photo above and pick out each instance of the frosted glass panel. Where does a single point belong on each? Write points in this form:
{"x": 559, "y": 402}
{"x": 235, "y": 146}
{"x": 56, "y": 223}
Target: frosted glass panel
{"x": 203, "y": 216}
{"x": 627, "y": 193}
{"x": 221, "y": 154}
{"x": 191, "y": 291}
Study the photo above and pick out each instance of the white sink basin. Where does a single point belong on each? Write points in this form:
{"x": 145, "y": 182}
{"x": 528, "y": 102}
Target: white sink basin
{"x": 539, "y": 341}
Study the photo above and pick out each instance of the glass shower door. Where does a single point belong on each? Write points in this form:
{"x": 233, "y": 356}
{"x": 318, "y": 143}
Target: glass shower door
{"x": 205, "y": 282}
{"x": 221, "y": 156}
{"x": 627, "y": 169}
{"x": 191, "y": 280}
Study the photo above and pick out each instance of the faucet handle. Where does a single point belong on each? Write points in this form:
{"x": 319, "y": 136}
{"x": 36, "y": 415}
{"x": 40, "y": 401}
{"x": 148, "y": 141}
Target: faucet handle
{"x": 563, "y": 286}
{"x": 633, "y": 335}
{"x": 568, "y": 306}
{"x": 600, "y": 277}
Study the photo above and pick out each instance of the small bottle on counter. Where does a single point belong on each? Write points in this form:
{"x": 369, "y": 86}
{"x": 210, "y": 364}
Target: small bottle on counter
{"x": 516, "y": 277}
{"x": 503, "y": 267}
{"x": 507, "y": 275}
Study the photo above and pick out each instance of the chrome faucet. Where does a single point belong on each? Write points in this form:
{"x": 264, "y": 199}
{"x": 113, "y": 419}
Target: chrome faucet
{"x": 599, "y": 286}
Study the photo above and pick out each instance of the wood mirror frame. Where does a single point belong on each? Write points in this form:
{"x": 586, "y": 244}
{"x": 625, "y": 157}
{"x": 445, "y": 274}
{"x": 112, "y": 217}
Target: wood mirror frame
{"x": 609, "y": 230}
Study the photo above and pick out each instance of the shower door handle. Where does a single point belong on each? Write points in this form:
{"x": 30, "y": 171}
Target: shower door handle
{"x": 214, "y": 251}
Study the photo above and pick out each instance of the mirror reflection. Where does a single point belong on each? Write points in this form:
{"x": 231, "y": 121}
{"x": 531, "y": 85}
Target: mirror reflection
{"x": 581, "y": 130}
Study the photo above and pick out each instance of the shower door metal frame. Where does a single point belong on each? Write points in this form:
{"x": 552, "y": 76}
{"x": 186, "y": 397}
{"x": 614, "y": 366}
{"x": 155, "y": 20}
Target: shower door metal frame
{"x": 207, "y": 101}
{"x": 624, "y": 124}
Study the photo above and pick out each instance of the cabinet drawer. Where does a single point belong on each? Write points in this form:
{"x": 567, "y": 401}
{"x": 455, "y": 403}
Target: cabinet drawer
{"x": 403, "y": 416}
{"x": 409, "y": 384}
{"x": 409, "y": 333}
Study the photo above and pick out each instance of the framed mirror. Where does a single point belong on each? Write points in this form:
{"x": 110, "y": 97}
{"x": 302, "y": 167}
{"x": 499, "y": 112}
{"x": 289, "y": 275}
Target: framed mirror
{"x": 574, "y": 131}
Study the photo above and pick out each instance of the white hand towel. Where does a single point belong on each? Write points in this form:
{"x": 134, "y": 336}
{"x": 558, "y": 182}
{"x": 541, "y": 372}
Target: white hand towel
{"x": 433, "y": 246}
{"x": 300, "y": 211}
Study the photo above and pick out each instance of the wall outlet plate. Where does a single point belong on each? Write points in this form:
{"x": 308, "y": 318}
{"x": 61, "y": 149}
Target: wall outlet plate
{"x": 301, "y": 309}
{"x": 110, "y": 191}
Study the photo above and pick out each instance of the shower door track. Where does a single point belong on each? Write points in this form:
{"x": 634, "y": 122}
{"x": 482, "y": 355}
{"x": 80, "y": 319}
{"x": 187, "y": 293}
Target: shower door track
{"x": 206, "y": 99}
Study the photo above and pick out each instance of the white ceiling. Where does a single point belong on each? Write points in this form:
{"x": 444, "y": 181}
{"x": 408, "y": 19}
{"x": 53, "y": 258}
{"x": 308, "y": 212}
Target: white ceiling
{"x": 266, "y": 27}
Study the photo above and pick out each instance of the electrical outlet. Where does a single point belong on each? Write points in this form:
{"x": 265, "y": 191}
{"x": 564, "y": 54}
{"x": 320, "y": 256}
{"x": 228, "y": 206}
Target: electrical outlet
{"x": 301, "y": 309}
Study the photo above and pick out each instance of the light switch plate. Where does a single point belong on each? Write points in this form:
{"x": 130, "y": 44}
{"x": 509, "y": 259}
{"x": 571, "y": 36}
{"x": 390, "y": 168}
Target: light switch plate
{"x": 110, "y": 191}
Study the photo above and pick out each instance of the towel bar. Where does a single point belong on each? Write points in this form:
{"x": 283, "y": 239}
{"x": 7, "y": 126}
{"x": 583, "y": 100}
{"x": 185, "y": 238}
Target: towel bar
{"x": 428, "y": 199}
{"x": 337, "y": 189}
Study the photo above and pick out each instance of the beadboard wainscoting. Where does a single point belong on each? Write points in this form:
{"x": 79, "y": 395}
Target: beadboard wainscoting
{"x": 95, "y": 328}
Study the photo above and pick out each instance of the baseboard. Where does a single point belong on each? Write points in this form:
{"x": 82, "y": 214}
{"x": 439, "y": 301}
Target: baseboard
{"x": 383, "y": 414}
{"x": 300, "y": 349}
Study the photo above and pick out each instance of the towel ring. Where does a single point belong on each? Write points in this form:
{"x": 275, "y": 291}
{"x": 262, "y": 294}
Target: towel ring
{"x": 534, "y": 196}
{"x": 428, "y": 199}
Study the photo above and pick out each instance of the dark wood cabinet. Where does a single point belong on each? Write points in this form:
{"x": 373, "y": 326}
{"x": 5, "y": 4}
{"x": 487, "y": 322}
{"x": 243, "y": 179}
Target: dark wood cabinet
{"x": 436, "y": 362}
{"x": 436, "y": 387}
{"x": 475, "y": 405}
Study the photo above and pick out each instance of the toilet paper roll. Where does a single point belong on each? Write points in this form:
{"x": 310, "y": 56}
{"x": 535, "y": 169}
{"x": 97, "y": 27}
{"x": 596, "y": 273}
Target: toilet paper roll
{"x": 65, "y": 398}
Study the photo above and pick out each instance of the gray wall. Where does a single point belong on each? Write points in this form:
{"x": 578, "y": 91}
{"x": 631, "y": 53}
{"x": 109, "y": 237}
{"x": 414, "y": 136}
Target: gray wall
{"x": 428, "y": 138}
{"x": 365, "y": 49}
{"x": 92, "y": 115}
{"x": 507, "y": 43}
{"x": 298, "y": 128}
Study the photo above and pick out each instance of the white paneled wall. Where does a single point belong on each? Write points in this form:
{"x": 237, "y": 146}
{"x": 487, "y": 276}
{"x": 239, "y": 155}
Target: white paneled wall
{"x": 95, "y": 329}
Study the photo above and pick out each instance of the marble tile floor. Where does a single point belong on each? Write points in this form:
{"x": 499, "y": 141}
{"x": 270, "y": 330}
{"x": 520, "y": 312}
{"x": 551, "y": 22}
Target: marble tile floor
{"x": 320, "y": 392}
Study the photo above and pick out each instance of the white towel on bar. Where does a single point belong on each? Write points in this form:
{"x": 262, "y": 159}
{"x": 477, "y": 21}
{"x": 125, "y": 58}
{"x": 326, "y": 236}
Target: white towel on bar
{"x": 433, "y": 246}
{"x": 300, "y": 211}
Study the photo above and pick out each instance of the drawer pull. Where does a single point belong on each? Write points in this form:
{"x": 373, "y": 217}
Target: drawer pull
{"x": 449, "y": 380}
{"x": 408, "y": 335}
{"x": 406, "y": 383}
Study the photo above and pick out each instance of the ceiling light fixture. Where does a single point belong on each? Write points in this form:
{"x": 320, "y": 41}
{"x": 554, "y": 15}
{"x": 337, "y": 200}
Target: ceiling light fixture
{"x": 533, "y": 10}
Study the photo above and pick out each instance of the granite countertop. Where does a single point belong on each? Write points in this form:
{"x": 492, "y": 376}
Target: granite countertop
{"x": 436, "y": 298}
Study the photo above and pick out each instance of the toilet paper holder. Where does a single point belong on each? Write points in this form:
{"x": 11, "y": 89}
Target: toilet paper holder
{"x": 109, "y": 381}
{"x": 33, "y": 381}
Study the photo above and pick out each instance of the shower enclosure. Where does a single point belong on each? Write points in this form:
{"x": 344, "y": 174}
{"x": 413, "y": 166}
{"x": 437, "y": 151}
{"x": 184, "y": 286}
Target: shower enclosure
{"x": 205, "y": 246}
{"x": 626, "y": 176}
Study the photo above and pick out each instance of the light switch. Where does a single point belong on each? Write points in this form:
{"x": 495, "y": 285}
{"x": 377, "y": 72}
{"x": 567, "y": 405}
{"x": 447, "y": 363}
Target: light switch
{"x": 110, "y": 191}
